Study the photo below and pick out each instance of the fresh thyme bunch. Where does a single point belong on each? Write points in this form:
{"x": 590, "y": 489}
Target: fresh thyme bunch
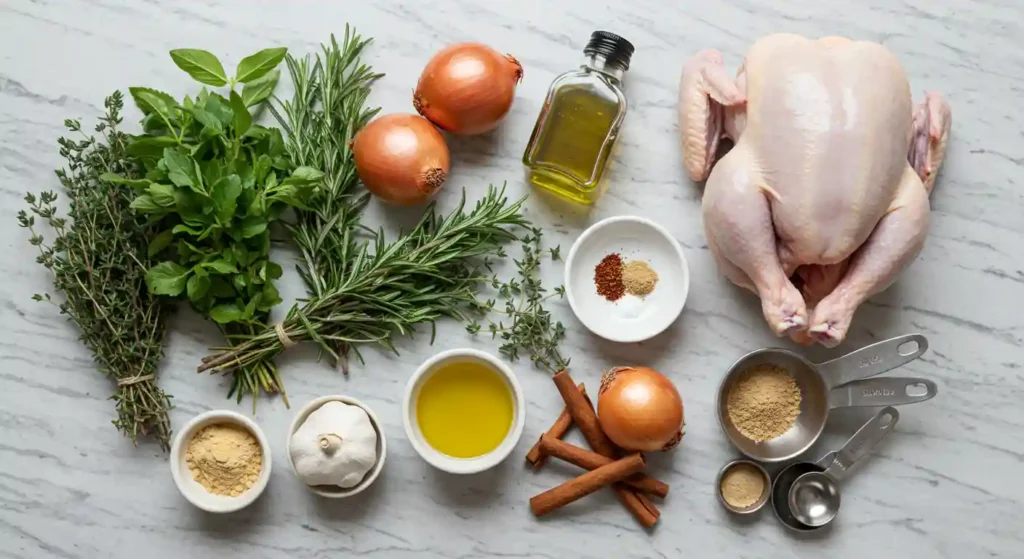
{"x": 527, "y": 326}
{"x": 99, "y": 260}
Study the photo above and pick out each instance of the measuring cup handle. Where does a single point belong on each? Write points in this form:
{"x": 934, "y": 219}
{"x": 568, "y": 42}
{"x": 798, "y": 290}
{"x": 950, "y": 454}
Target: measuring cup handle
{"x": 863, "y": 442}
{"x": 872, "y": 360}
{"x": 884, "y": 391}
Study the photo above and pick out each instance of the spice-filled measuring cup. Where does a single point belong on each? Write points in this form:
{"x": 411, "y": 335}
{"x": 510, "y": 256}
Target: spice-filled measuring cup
{"x": 805, "y": 495}
{"x": 841, "y": 382}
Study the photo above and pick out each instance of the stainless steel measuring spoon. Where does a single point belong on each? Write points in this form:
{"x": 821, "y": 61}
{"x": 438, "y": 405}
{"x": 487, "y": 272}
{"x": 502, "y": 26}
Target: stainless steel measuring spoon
{"x": 813, "y": 497}
{"x": 825, "y": 386}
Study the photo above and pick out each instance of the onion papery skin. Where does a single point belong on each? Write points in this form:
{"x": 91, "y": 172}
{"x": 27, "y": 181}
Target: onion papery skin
{"x": 401, "y": 158}
{"x": 467, "y": 88}
{"x": 639, "y": 409}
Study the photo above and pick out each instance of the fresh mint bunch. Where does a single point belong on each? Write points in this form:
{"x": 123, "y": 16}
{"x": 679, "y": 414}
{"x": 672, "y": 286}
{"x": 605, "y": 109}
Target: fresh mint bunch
{"x": 214, "y": 183}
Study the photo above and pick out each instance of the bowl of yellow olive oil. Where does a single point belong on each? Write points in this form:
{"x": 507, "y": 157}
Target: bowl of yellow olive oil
{"x": 464, "y": 411}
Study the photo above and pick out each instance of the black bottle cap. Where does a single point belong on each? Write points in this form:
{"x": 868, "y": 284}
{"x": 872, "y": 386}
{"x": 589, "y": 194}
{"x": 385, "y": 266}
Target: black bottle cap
{"x": 613, "y": 48}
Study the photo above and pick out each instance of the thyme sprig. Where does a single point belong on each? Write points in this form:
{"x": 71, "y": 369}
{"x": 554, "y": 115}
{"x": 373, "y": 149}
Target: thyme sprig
{"x": 528, "y": 326}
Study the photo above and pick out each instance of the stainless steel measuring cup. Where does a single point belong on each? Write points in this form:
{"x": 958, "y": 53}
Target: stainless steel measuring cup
{"x": 806, "y": 496}
{"x": 825, "y": 386}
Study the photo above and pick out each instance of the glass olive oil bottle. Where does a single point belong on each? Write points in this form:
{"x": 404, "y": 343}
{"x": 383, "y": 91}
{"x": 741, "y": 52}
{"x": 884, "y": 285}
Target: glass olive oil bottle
{"x": 579, "y": 122}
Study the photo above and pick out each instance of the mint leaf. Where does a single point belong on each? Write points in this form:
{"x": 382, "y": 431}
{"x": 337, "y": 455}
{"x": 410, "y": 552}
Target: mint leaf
{"x": 242, "y": 119}
{"x": 158, "y": 243}
{"x": 221, "y": 266}
{"x": 225, "y": 313}
{"x": 198, "y": 286}
{"x": 225, "y": 195}
{"x": 270, "y": 271}
{"x": 308, "y": 174}
{"x": 252, "y": 226}
{"x": 257, "y": 65}
{"x": 250, "y": 309}
{"x": 162, "y": 194}
{"x": 202, "y": 65}
{"x": 269, "y": 297}
{"x": 154, "y": 101}
{"x": 221, "y": 288}
{"x": 182, "y": 169}
{"x": 138, "y": 184}
{"x": 219, "y": 107}
{"x": 206, "y": 118}
{"x": 150, "y": 145}
{"x": 145, "y": 204}
{"x": 257, "y": 91}
{"x": 167, "y": 278}
{"x": 241, "y": 255}
{"x": 261, "y": 168}
{"x": 183, "y": 228}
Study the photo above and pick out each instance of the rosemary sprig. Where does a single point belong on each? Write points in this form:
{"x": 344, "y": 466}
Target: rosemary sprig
{"x": 99, "y": 259}
{"x": 321, "y": 119}
{"x": 529, "y": 328}
{"x": 432, "y": 272}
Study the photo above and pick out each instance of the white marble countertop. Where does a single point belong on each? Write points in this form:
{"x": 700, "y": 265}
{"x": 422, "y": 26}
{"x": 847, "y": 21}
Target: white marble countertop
{"x": 948, "y": 483}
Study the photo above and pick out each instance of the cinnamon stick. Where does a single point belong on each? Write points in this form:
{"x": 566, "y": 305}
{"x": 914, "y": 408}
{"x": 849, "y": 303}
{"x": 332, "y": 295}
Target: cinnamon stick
{"x": 583, "y": 415}
{"x": 536, "y": 455}
{"x": 576, "y": 488}
{"x": 550, "y": 446}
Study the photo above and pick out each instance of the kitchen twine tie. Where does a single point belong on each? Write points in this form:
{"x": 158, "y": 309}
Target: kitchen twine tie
{"x": 283, "y": 336}
{"x": 128, "y": 381}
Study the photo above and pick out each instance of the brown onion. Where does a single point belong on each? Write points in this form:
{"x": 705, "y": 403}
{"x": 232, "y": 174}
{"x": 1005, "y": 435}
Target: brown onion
{"x": 467, "y": 88}
{"x": 639, "y": 409}
{"x": 401, "y": 158}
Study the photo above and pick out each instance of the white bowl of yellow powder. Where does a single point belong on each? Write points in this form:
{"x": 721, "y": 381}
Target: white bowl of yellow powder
{"x": 220, "y": 461}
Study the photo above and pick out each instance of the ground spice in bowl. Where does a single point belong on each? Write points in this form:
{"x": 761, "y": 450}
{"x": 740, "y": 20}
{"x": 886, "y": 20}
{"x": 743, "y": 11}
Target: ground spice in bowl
{"x": 608, "y": 277}
{"x": 764, "y": 402}
{"x": 226, "y": 459}
{"x": 639, "y": 278}
{"x": 742, "y": 485}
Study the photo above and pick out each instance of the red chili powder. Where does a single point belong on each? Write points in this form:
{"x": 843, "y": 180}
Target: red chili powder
{"x": 608, "y": 277}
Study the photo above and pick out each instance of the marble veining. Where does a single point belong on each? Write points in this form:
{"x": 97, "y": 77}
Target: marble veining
{"x": 947, "y": 483}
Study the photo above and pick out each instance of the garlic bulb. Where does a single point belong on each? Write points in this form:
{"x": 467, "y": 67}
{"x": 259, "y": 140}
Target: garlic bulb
{"x": 336, "y": 445}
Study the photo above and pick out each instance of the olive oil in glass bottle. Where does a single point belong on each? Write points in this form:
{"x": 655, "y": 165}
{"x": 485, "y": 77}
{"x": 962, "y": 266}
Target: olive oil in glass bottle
{"x": 579, "y": 122}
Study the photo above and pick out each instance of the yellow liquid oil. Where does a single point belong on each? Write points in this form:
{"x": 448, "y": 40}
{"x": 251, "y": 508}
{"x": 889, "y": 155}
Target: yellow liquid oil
{"x": 464, "y": 409}
{"x": 572, "y": 143}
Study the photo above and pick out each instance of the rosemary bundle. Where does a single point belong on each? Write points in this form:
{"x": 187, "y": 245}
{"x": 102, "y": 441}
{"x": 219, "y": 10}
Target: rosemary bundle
{"x": 432, "y": 272}
{"x": 99, "y": 260}
{"x": 365, "y": 291}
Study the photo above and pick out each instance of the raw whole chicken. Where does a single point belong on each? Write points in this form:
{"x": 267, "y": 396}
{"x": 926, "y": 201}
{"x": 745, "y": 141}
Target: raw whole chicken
{"x": 823, "y": 200}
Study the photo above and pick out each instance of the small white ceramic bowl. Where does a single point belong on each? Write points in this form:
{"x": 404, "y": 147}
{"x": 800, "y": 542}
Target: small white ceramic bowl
{"x": 631, "y": 318}
{"x": 332, "y": 491}
{"x": 190, "y": 488}
{"x": 438, "y": 459}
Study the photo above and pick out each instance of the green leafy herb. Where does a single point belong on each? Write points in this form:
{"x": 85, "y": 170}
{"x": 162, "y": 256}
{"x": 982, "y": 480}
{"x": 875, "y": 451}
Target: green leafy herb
{"x": 99, "y": 259}
{"x": 359, "y": 291}
{"x": 255, "y": 66}
{"x": 387, "y": 288}
{"x": 214, "y": 183}
{"x": 203, "y": 66}
{"x": 527, "y": 326}
{"x": 258, "y": 90}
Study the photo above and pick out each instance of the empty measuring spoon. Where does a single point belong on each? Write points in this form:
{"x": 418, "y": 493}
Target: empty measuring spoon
{"x": 814, "y": 496}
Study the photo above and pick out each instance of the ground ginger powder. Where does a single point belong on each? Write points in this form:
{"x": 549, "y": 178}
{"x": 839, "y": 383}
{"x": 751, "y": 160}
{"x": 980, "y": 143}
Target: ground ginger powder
{"x": 639, "y": 278}
{"x": 226, "y": 459}
{"x": 742, "y": 486}
{"x": 764, "y": 402}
